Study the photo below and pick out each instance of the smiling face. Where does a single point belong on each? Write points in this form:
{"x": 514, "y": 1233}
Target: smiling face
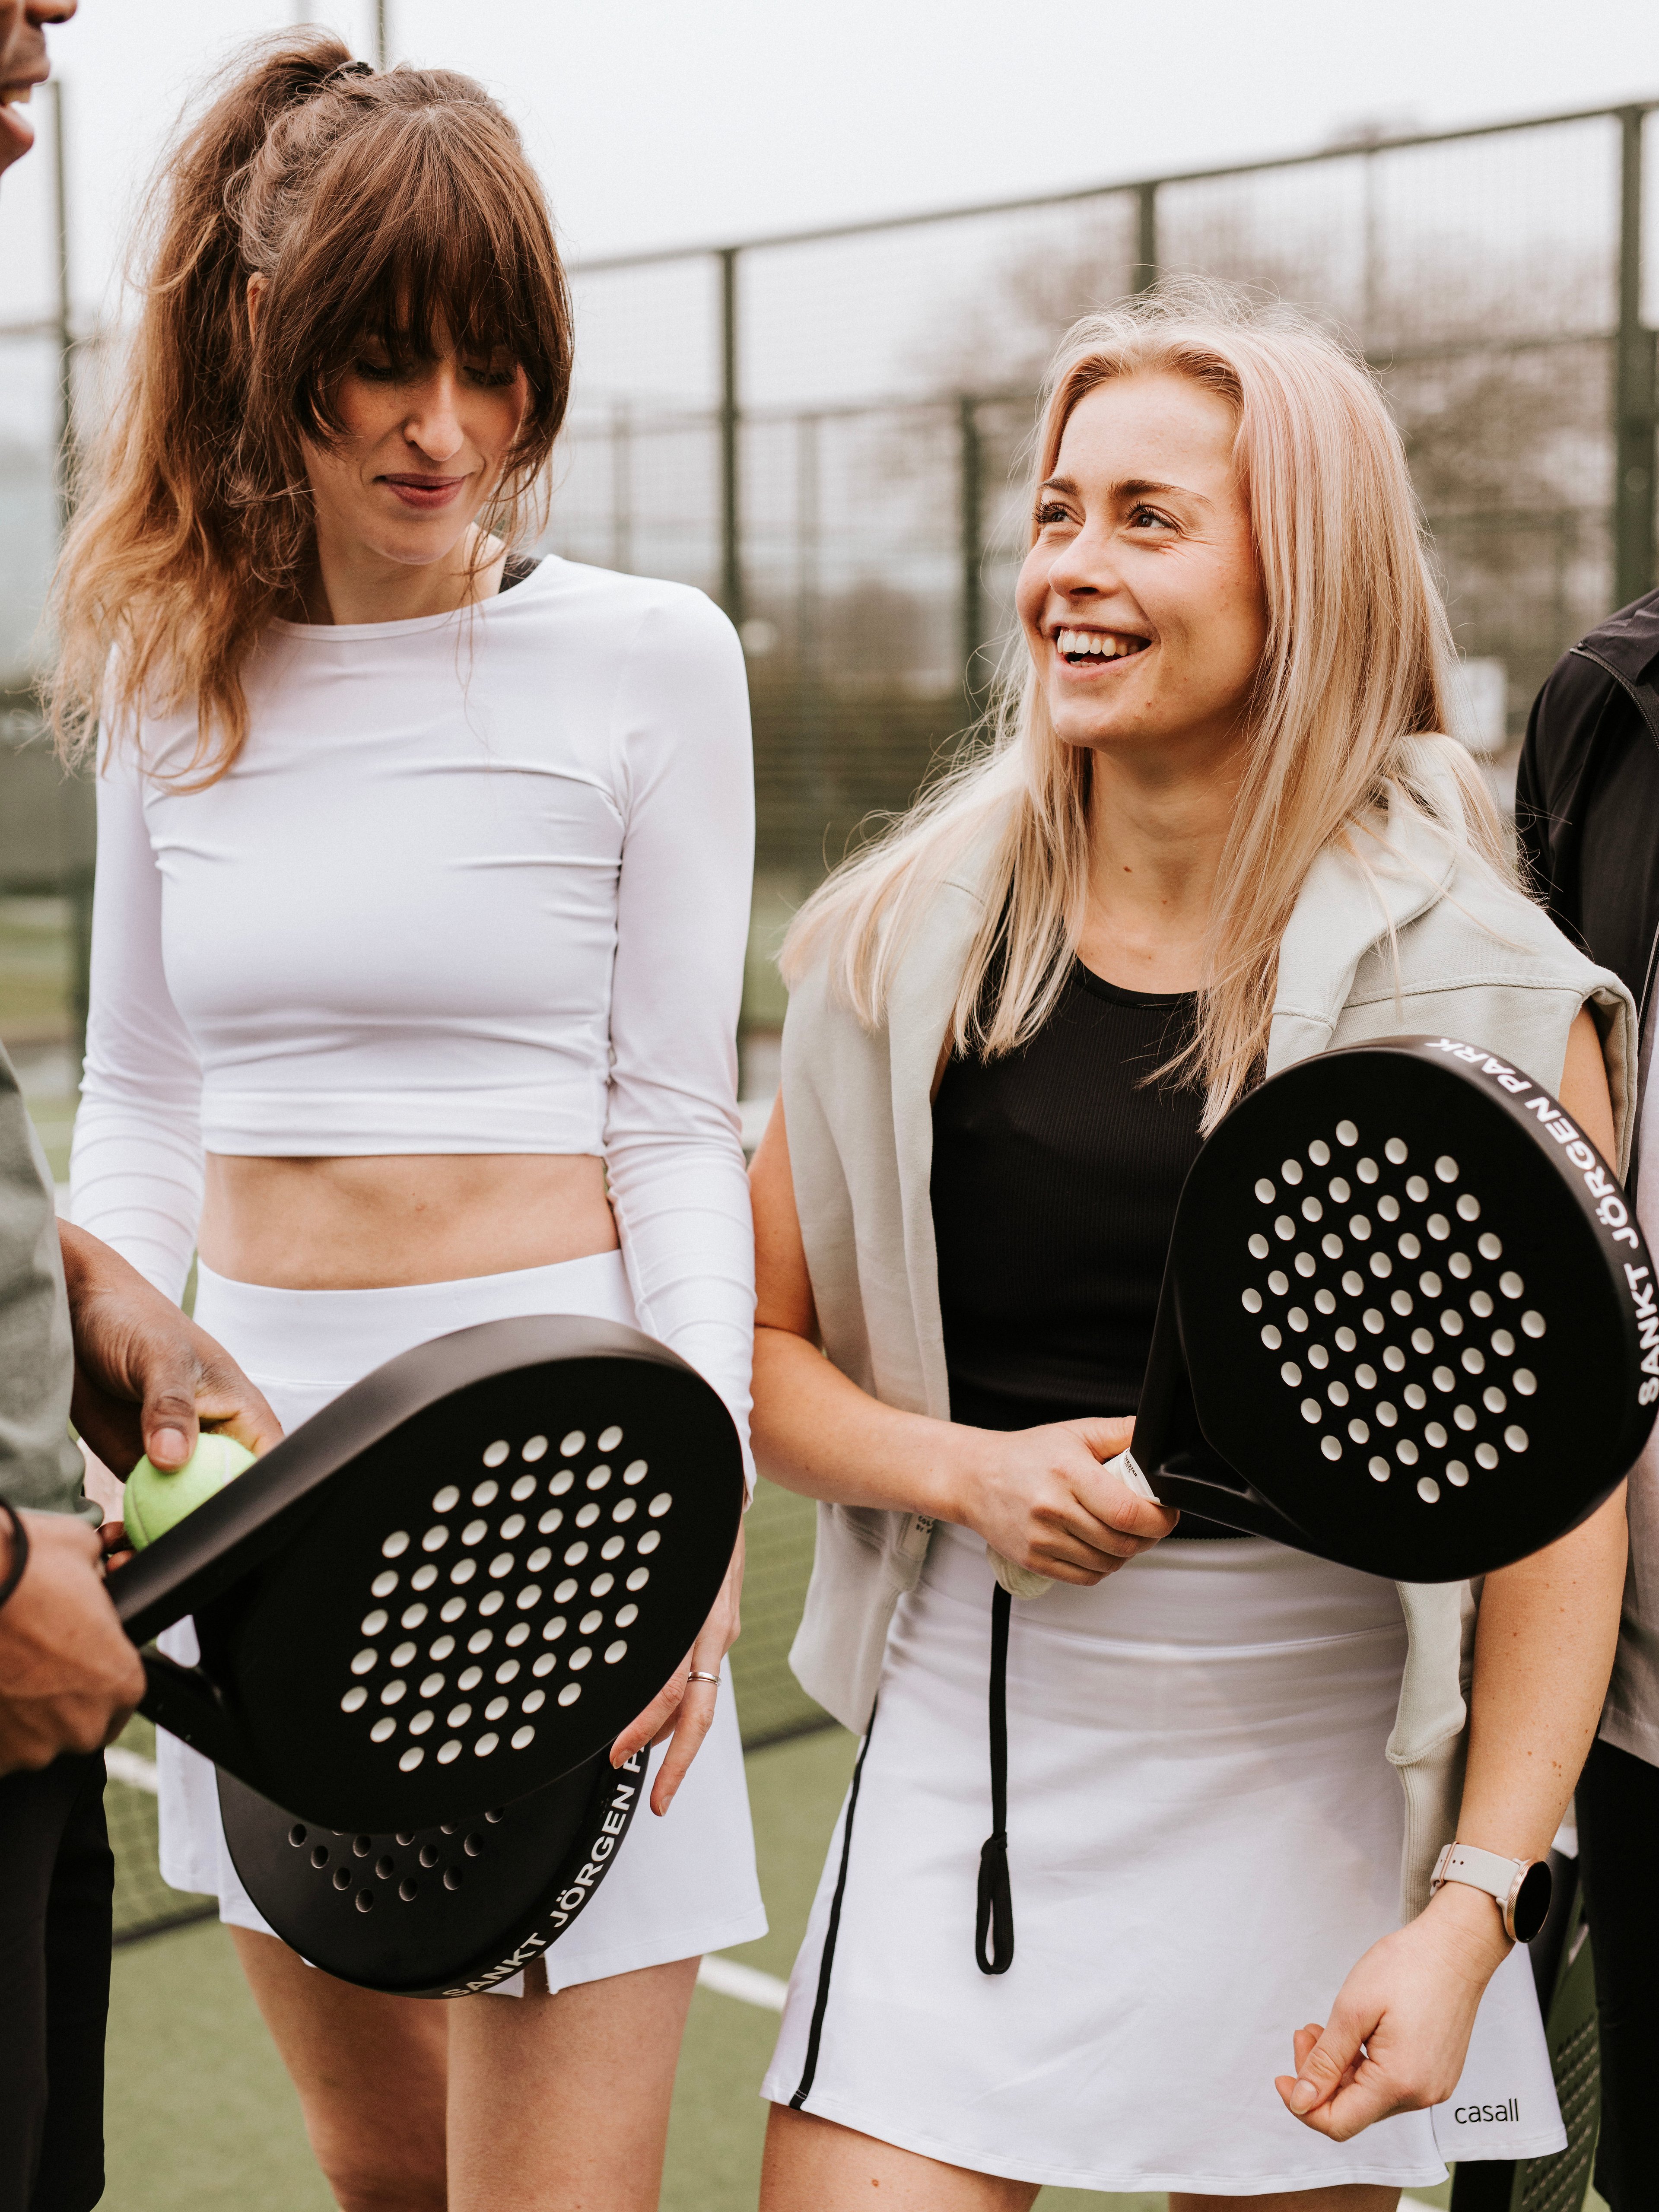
{"x": 424, "y": 446}
{"x": 23, "y": 66}
{"x": 1140, "y": 599}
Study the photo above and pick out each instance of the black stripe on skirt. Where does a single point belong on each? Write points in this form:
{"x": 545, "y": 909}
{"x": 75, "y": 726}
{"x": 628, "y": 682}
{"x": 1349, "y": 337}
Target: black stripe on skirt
{"x": 815, "y": 2034}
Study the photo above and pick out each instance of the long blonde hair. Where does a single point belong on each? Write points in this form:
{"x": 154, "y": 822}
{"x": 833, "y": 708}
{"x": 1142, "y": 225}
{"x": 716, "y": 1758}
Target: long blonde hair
{"x": 1353, "y": 678}
{"x": 384, "y": 203}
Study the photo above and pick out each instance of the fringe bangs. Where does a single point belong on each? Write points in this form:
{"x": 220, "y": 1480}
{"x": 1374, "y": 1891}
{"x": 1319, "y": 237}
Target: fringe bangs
{"x": 399, "y": 205}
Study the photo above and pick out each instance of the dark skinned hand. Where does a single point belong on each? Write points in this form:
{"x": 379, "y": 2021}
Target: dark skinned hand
{"x": 69, "y": 1678}
{"x": 147, "y": 1380}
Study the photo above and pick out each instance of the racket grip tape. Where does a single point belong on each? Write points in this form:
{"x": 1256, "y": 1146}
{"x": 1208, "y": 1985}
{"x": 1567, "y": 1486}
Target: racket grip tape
{"x": 1025, "y": 1581}
{"x": 1126, "y": 1467}
{"x": 1018, "y": 1582}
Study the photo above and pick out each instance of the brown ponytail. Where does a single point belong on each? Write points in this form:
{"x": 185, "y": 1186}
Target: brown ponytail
{"x": 400, "y": 204}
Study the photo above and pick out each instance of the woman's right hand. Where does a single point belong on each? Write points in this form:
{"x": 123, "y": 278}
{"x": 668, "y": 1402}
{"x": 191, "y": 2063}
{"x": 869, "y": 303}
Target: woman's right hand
{"x": 1040, "y": 1496}
{"x": 1043, "y": 1499}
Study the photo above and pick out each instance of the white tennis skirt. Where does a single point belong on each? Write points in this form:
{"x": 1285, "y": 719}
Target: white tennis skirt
{"x": 680, "y": 1886}
{"x": 1204, "y": 1835}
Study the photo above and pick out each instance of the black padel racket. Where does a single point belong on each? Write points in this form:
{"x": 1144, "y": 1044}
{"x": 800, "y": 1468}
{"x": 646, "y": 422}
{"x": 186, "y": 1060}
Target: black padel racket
{"x": 1408, "y": 1321}
{"x": 435, "y": 1912}
{"x": 458, "y": 1582}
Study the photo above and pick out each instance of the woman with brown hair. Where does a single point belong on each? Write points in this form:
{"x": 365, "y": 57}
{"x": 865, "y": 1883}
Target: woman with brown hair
{"x": 423, "y": 893}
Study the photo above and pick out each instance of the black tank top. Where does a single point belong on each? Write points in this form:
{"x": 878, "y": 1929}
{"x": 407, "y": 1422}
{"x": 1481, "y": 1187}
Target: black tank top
{"x": 1056, "y": 1169}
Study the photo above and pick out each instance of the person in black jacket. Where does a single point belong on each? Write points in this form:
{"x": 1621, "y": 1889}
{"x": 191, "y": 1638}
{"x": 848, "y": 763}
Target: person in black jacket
{"x": 1587, "y": 806}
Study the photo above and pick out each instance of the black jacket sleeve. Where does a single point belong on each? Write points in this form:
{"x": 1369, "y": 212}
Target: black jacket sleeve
{"x": 1531, "y": 805}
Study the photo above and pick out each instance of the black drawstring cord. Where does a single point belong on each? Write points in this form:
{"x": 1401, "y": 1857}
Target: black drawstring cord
{"x": 993, "y": 1928}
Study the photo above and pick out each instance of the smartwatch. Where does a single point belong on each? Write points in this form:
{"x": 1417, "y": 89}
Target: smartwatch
{"x": 1521, "y": 1888}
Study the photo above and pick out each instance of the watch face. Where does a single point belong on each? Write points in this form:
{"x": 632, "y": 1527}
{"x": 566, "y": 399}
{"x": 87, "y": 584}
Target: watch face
{"x": 1532, "y": 1901}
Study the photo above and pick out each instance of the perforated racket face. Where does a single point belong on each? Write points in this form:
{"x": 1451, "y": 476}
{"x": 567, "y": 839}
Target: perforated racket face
{"x": 1410, "y": 1298}
{"x": 441, "y": 1911}
{"x": 494, "y": 1611}
{"x": 503, "y": 1583}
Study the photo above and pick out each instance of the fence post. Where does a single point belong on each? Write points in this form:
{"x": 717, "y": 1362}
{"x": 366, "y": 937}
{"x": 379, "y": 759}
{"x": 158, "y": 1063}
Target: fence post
{"x": 621, "y": 487}
{"x": 1146, "y": 237}
{"x": 78, "y": 885}
{"x": 1369, "y": 285}
{"x": 730, "y": 518}
{"x": 1634, "y": 371}
{"x": 79, "y": 888}
{"x": 971, "y": 538}
{"x": 815, "y": 791}
{"x": 63, "y": 470}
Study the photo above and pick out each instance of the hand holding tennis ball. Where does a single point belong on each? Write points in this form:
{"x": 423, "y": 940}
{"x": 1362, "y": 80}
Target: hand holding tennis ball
{"x": 156, "y": 1498}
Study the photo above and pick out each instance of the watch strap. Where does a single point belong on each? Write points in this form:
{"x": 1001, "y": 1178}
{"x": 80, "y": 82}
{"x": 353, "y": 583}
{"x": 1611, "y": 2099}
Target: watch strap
{"x": 1520, "y": 1889}
{"x": 1487, "y": 1870}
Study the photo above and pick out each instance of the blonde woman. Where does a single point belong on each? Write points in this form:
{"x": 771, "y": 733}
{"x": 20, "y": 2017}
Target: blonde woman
{"x": 422, "y": 890}
{"x": 1220, "y": 830}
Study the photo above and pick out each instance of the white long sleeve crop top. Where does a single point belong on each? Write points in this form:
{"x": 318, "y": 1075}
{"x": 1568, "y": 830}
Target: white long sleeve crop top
{"x": 476, "y": 883}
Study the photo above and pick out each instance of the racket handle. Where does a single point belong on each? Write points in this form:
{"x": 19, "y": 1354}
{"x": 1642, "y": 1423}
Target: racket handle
{"x": 1018, "y": 1582}
{"x": 183, "y": 1701}
{"x": 1126, "y": 1467}
{"x": 1025, "y": 1581}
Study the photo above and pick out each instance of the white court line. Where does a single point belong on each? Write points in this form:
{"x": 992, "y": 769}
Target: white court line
{"x": 724, "y": 1976}
{"x": 747, "y": 1984}
{"x": 727, "y": 1977}
{"x": 753, "y": 1115}
{"x": 128, "y": 1767}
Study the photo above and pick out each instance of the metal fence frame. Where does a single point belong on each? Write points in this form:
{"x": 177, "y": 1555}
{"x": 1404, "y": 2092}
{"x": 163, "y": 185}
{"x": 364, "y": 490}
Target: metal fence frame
{"x": 1633, "y": 418}
{"x": 978, "y": 421}
{"x": 1633, "y": 402}
{"x": 1634, "y": 346}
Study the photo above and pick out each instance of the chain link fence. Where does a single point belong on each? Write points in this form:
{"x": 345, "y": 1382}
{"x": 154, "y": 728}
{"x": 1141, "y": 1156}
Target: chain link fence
{"x": 825, "y": 433}
{"x": 822, "y": 430}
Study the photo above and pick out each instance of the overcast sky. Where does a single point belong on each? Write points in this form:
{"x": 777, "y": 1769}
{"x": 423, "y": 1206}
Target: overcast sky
{"x": 661, "y": 122}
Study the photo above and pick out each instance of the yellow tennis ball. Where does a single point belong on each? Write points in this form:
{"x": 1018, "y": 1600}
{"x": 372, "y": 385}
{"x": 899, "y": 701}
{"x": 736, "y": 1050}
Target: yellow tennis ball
{"x": 156, "y": 1498}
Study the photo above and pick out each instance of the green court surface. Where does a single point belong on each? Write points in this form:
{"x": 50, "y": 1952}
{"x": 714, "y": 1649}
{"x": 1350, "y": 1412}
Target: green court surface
{"x": 201, "y": 2118}
{"x": 200, "y": 2114}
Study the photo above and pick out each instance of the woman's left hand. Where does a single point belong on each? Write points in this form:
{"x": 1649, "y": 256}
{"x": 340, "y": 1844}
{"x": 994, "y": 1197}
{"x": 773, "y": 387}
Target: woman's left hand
{"x": 1399, "y": 2029}
{"x": 684, "y": 1710}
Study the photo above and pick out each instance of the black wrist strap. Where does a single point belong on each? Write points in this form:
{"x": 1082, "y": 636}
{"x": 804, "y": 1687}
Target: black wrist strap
{"x": 993, "y": 1928}
{"x": 20, "y": 1549}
